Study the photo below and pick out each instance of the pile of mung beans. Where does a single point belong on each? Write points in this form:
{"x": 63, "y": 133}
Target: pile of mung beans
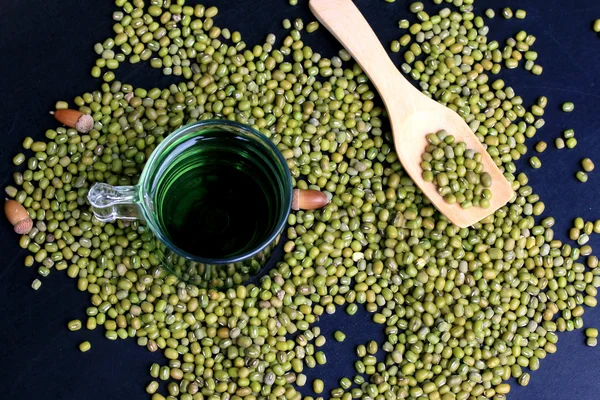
{"x": 463, "y": 309}
{"x": 456, "y": 170}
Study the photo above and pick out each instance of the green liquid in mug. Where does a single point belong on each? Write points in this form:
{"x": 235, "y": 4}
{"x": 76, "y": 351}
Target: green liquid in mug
{"x": 214, "y": 195}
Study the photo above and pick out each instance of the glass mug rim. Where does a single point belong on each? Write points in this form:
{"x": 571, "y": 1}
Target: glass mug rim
{"x": 231, "y": 127}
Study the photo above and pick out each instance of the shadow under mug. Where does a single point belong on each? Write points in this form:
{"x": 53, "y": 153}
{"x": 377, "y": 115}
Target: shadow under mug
{"x": 193, "y": 157}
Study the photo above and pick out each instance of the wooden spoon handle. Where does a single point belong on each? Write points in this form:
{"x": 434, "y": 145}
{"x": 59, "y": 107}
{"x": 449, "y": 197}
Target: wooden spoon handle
{"x": 351, "y": 29}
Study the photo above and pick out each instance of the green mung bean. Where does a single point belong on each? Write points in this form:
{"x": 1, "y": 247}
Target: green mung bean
{"x": 537, "y": 69}
{"x": 351, "y": 309}
{"x": 301, "y": 380}
{"x": 339, "y": 336}
{"x": 312, "y": 26}
{"x": 318, "y": 386}
{"x": 74, "y": 325}
{"x": 587, "y": 165}
{"x": 591, "y": 332}
{"x": 85, "y": 346}
{"x": 568, "y": 106}
{"x": 581, "y": 176}
{"x": 320, "y": 358}
{"x": 541, "y": 146}
{"x": 520, "y": 14}
{"x": 585, "y": 250}
{"x": 61, "y": 105}
{"x": 530, "y": 56}
{"x": 569, "y": 133}
{"x": 416, "y": 7}
{"x": 320, "y": 341}
{"x": 19, "y": 159}
{"x": 524, "y": 379}
{"x": 152, "y": 387}
{"x": 535, "y": 162}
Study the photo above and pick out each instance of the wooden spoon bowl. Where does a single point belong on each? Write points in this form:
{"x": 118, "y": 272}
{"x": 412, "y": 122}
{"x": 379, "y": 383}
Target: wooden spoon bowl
{"x": 412, "y": 114}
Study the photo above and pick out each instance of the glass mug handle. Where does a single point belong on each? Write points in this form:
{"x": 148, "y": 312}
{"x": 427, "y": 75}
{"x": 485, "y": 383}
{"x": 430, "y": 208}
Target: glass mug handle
{"x": 121, "y": 202}
{"x": 114, "y": 202}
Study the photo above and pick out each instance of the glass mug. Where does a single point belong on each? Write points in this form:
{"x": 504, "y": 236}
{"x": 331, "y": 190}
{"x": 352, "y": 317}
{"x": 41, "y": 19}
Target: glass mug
{"x": 216, "y": 195}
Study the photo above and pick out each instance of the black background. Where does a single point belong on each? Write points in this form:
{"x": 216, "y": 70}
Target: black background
{"x": 46, "y": 55}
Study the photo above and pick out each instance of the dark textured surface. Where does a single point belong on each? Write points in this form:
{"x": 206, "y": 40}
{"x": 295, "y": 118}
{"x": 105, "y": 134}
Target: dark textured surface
{"x": 46, "y": 55}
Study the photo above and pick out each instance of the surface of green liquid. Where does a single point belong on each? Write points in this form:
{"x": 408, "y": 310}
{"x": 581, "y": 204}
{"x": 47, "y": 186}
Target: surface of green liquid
{"x": 213, "y": 196}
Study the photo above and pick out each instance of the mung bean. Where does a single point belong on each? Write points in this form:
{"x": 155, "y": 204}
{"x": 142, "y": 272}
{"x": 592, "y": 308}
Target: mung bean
{"x": 535, "y": 162}
{"x": 581, "y": 176}
{"x": 569, "y": 133}
{"x": 591, "y": 332}
{"x": 541, "y": 146}
{"x": 339, "y": 336}
{"x": 587, "y": 165}
{"x": 507, "y": 13}
{"x": 568, "y": 107}
{"x": 85, "y": 346}
{"x": 318, "y": 386}
{"x": 74, "y": 325}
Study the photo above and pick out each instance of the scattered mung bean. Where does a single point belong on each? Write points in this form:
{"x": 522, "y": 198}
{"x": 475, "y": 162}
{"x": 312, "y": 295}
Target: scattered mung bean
{"x": 85, "y": 346}
{"x": 339, "y": 336}
{"x": 373, "y": 244}
{"x": 535, "y": 162}
{"x": 569, "y": 133}
{"x": 36, "y": 284}
{"x": 318, "y": 386}
{"x": 591, "y": 332}
{"x": 541, "y": 146}
{"x": 74, "y": 325}
{"x": 568, "y": 106}
{"x": 312, "y": 26}
{"x": 581, "y": 176}
{"x": 587, "y": 165}
{"x": 524, "y": 379}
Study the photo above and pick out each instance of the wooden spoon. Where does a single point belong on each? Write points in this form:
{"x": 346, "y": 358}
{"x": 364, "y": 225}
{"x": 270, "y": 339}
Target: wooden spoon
{"x": 412, "y": 114}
